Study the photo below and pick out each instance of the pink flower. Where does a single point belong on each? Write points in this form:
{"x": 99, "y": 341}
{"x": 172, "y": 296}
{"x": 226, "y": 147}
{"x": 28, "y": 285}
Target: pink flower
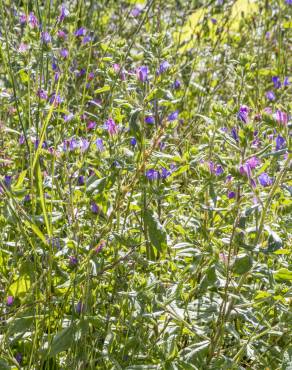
{"x": 22, "y": 48}
{"x": 111, "y": 127}
{"x": 253, "y": 162}
{"x": 282, "y": 117}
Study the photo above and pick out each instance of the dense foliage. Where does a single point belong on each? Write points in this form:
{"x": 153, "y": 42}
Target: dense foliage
{"x": 145, "y": 204}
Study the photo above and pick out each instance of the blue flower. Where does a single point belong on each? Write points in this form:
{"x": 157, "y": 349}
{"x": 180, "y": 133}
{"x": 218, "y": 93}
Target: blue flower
{"x": 80, "y": 32}
{"x": 133, "y": 141}
{"x": 173, "y": 116}
{"x": 64, "y": 12}
{"x": 86, "y": 39}
{"x": 79, "y": 307}
{"x": 231, "y": 194}
{"x": 81, "y": 180}
{"x": 265, "y": 180}
{"x": 219, "y": 170}
{"x": 46, "y": 37}
{"x": 73, "y": 261}
{"x": 242, "y": 115}
{"x": 276, "y": 82}
{"x": 73, "y": 144}
{"x": 165, "y": 173}
{"x": 99, "y": 144}
{"x": 64, "y": 53}
{"x": 286, "y": 81}
{"x": 280, "y": 142}
{"x": 142, "y": 73}
{"x": 150, "y": 120}
{"x": 94, "y": 208}
{"x": 234, "y": 133}
{"x": 176, "y": 85}
{"x": 164, "y": 66}
{"x": 84, "y": 145}
{"x": 152, "y": 174}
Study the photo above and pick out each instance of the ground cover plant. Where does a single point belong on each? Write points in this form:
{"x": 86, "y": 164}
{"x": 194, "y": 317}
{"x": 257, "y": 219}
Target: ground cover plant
{"x": 145, "y": 184}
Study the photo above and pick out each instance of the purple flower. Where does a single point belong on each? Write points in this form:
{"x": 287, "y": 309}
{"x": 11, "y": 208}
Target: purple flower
{"x": 99, "y": 144}
{"x": 73, "y": 144}
{"x": 276, "y": 81}
{"x": 81, "y": 180}
{"x": 142, "y": 73}
{"x": 280, "y": 142}
{"x": 91, "y": 125}
{"x": 68, "y": 117}
{"x": 242, "y": 115}
{"x": 86, "y": 39}
{"x": 84, "y": 145}
{"x": 265, "y": 180}
{"x": 57, "y": 76}
{"x": 94, "y": 208}
{"x": 173, "y": 116}
{"x": 234, "y": 133}
{"x": 219, "y": 170}
{"x": 64, "y": 12}
{"x": 152, "y": 174}
{"x": 90, "y": 76}
{"x": 289, "y": 2}
{"x": 7, "y": 181}
{"x": 42, "y": 94}
{"x": 46, "y": 37}
{"x": 54, "y": 66}
{"x": 270, "y": 95}
{"x": 111, "y": 127}
{"x": 245, "y": 170}
{"x": 82, "y": 72}
{"x": 56, "y": 99}
{"x": 214, "y": 20}
{"x": 231, "y": 194}
{"x": 100, "y": 246}
{"x": 80, "y": 32}
{"x": 64, "y": 53}
{"x": 165, "y": 173}
{"x": 164, "y": 66}
{"x": 135, "y": 12}
{"x": 10, "y": 300}
{"x": 133, "y": 141}
{"x": 27, "y": 198}
{"x": 149, "y": 120}
{"x": 21, "y": 139}
{"x": 176, "y": 85}
{"x": 286, "y": 82}
{"x": 282, "y": 117}
{"x": 73, "y": 261}
{"x": 22, "y": 18}
{"x": 253, "y": 162}
{"x": 32, "y": 20}
{"x": 18, "y": 357}
{"x": 61, "y": 34}
{"x": 22, "y": 48}
{"x": 79, "y": 307}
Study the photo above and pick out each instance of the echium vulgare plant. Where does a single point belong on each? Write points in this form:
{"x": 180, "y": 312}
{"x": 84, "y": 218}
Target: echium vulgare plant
{"x": 145, "y": 184}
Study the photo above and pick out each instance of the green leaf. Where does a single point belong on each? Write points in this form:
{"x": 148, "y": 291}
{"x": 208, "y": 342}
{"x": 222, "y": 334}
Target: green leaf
{"x": 62, "y": 341}
{"x": 156, "y": 232}
{"x": 20, "y": 286}
{"x": 20, "y": 325}
{"x": 283, "y": 274}
{"x": 242, "y": 264}
{"x": 95, "y": 185}
{"x": 102, "y": 89}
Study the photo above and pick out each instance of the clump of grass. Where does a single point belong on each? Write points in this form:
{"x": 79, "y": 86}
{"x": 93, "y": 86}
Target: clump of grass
{"x": 145, "y": 193}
